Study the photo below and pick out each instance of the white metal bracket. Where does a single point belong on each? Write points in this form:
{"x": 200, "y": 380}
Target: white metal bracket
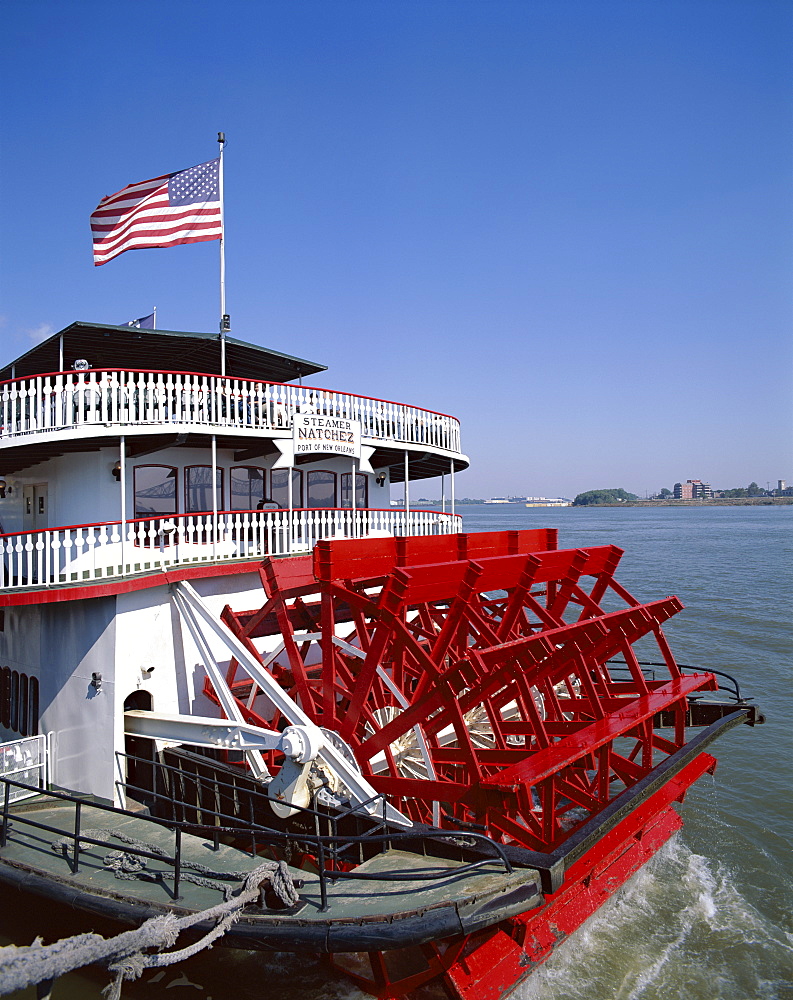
{"x": 360, "y": 791}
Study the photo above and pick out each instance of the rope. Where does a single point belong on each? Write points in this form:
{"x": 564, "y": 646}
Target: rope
{"x": 21, "y": 967}
{"x": 131, "y": 866}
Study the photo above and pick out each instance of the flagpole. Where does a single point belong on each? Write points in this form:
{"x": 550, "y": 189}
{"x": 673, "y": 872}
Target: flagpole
{"x": 224, "y": 320}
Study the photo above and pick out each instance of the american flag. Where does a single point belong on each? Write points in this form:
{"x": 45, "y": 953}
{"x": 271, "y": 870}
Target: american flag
{"x": 164, "y": 212}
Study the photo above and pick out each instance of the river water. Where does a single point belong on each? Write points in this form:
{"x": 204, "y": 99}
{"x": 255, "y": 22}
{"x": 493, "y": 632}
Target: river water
{"x": 711, "y": 916}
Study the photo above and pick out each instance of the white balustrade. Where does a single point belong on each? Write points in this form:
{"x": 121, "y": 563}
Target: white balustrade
{"x": 84, "y": 553}
{"x": 65, "y": 400}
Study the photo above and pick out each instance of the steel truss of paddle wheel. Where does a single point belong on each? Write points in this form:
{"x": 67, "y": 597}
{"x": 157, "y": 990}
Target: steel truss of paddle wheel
{"x": 488, "y": 682}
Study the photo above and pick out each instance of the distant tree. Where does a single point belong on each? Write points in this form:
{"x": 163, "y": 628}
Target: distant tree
{"x": 665, "y": 493}
{"x": 753, "y": 490}
{"x": 594, "y": 497}
{"x": 739, "y": 493}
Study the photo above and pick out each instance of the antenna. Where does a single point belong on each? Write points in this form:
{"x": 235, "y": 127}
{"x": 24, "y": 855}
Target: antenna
{"x": 225, "y": 322}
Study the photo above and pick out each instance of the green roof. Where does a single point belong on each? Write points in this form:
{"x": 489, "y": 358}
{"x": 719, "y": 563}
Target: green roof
{"x": 104, "y": 346}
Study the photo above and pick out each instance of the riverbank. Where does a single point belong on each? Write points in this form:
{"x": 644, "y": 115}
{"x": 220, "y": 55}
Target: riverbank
{"x": 742, "y": 502}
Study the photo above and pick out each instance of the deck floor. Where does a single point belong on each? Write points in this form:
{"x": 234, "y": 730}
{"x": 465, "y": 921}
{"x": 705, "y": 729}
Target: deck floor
{"x": 354, "y": 899}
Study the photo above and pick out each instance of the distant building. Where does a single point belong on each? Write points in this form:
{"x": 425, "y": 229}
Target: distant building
{"x": 693, "y": 489}
{"x": 702, "y": 491}
{"x": 781, "y": 485}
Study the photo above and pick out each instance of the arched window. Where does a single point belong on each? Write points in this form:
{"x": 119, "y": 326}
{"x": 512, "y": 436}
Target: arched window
{"x": 198, "y": 488}
{"x": 33, "y": 706}
{"x": 19, "y": 702}
{"x": 23, "y": 717}
{"x": 14, "y": 722}
{"x": 279, "y": 487}
{"x": 5, "y": 697}
{"x": 247, "y": 487}
{"x": 155, "y": 490}
{"x": 361, "y": 490}
{"x": 321, "y": 489}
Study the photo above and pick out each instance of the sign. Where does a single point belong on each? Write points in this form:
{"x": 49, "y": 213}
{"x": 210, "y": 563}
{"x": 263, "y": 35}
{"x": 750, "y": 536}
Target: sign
{"x": 331, "y": 435}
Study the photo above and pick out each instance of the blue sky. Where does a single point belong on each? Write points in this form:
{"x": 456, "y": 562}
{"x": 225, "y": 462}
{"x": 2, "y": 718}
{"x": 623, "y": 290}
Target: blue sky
{"x": 568, "y": 224}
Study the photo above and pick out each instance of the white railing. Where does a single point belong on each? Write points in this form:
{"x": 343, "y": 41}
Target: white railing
{"x": 25, "y": 760}
{"x": 114, "y": 396}
{"x": 82, "y": 553}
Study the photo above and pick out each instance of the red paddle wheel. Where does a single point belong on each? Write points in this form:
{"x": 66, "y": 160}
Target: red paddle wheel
{"x": 489, "y": 682}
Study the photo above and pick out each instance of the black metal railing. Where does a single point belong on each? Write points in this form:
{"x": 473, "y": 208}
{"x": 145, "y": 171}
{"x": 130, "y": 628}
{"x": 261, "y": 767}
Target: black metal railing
{"x": 77, "y": 835}
{"x": 327, "y": 849}
{"x": 331, "y": 850}
{"x": 732, "y": 689}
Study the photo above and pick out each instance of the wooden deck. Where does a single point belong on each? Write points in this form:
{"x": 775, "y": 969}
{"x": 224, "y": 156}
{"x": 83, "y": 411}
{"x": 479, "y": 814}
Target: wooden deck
{"x": 407, "y": 897}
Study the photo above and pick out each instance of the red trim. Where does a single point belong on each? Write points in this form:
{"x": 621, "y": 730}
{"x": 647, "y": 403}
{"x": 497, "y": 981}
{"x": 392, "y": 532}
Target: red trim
{"x": 108, "y": 588}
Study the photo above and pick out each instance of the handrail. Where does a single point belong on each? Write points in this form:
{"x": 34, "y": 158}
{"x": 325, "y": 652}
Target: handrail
{"x": 316, "y": 841}
{"x": 734, "y": 691}
{"x": 256, "y": 381}
{"x": 123, "y": 397}
{"x": 332, "y": 819}
{"x": 221, "y": 513}
{"x": 115, "y": 549}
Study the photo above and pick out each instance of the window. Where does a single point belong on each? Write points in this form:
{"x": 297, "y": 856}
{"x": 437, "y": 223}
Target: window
{"x": 198, "y": 488}
{"x": 19, "y": 702}
{"x": 155, "y": 490}
{"x": 33, "y": 706}
{"x": 279, "y": 487}
{"x": 247, "y": 487}
{"x": 361, "y": 490}
{"x": 22, "y": 714}
{"x": 5, "y": 697}
{"x": 14, "y": 721}
{"x": 321, "y": 489}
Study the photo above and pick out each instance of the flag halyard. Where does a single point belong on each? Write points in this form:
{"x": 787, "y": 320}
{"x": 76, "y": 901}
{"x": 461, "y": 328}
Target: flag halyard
{"x": 166, "y": 211}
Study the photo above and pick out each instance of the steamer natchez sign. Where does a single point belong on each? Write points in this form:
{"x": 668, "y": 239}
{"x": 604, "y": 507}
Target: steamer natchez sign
{"x": 335, "y": 435}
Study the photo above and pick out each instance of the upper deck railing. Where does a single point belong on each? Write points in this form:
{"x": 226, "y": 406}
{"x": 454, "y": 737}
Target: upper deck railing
{"x": 83, "y": 553}
{"x": 121, "y": 397}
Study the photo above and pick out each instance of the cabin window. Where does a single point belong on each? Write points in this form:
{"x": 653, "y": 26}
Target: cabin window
{"x": 247, "y": 487}
{"x": 155, "y": 490}
{"x": 279, "y": 487}
{"x": 19, "y": 702}
{"x": 321, "y": 489}
{"x": 14, "y": 723}
{"x": 33, "y": 706}
{"x": 22, "y": 714}
{"x": 361, "y": 490}
{"x": 5, "y": 697}
{"x": 198, "y": 488}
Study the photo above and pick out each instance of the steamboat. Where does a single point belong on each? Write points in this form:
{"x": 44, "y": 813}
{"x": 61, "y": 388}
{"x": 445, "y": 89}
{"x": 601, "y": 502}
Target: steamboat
{"x": 224, "y": 648}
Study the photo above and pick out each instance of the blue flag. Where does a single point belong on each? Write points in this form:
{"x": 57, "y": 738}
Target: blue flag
{"x": 144, "y": 323}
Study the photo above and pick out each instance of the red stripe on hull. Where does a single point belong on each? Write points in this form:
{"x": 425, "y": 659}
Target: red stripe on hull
{"x": 77, "y": 592}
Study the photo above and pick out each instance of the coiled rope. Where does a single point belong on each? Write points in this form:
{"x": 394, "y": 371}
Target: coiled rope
{"x": 124, "y": 954}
